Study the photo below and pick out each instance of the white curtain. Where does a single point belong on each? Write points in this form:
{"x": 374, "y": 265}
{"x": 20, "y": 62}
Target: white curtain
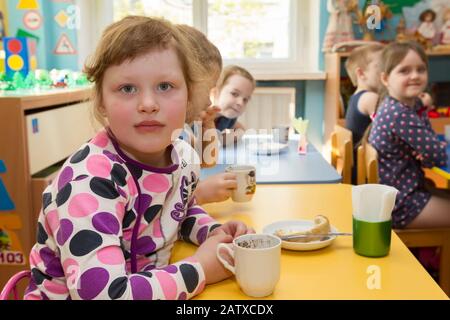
{"x": 95, "y": 16}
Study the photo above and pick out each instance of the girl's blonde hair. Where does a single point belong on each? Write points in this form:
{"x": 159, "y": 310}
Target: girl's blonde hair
{"x": 360, "y": 58}
{"x": 132, "y": 37}
{"x": 231, "y": 71}
{"x": 392, "y": 55}
{"x": 206, "y": 52}
{"x": 210, "y": 59}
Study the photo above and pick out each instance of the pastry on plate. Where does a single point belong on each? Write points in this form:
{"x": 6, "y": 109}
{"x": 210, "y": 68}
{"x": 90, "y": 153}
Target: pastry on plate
{"x": 321, "y": 226}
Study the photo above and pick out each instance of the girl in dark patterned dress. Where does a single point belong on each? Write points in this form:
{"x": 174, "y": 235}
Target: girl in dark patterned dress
{"x": 401, "y": 133}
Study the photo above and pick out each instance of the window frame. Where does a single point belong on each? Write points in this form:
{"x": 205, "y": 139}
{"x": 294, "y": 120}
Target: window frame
{"x": 304, "y": 37}
{"x": 302, "y": 59}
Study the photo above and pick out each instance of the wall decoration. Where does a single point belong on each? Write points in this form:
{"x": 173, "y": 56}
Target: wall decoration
{"x": 62, "y": 18}
{"x": 427, "y": 30}
{"x": 64, "y": 46}
{"x": 11, "y": 252}
{"x": 69, "y": 17}
{"x": 339, "y": 27}
{"x": 20, "y": 55}
{"x": 445, "y": 30}
{"x": 32, "y": 20}
{"x": 397, "y": 6}
{"x": 6, "y": 203}
{"x": 28, "y": 5}
{"x": 25, "y": 34}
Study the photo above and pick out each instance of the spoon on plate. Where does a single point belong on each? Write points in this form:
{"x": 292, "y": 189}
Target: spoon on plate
{"x": 322, "y": 235}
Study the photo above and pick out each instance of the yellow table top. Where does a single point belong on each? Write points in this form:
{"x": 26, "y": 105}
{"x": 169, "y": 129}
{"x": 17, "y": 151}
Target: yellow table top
{"x": 334, "y": 272}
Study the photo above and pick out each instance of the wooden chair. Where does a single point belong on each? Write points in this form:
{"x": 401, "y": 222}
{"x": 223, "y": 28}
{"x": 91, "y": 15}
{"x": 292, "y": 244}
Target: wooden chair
{"x": 412, "y": 238}
{"x": 342, "y": 152}
{"x": 367, "y": 164}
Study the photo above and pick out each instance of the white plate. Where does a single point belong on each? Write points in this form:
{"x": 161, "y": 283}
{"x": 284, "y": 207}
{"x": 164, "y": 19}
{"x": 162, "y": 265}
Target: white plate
{"x": 268, "y": 148}
{"x": 298, "y": 225}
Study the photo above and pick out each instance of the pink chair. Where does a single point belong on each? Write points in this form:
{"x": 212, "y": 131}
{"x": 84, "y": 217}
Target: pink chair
{"x": 11, "y": 285}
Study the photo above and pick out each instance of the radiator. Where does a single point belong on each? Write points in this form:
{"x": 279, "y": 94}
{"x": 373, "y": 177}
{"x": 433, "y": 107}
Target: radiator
{"x": 269, "y": 107}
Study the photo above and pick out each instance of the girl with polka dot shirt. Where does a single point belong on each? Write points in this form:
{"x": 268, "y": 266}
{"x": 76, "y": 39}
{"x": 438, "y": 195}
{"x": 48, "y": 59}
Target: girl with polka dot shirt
{"x": 110, "y": 219}
{"x": 401, "y": 133}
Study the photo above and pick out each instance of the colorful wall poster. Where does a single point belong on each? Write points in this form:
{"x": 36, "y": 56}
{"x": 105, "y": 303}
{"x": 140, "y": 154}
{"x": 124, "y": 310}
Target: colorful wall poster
{"x": 53, "y": 24}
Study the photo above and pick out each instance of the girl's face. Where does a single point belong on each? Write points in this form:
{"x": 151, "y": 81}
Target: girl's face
{"x": 145, "y": 101}
{"x": 234, "y": 96}
{"x": 408, "y": 79}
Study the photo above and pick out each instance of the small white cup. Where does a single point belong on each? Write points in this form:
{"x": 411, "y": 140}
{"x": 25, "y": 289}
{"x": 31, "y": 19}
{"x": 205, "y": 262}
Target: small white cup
{"x": 246, "y": 181}
{"x": 280, "y": 134}
{"x": 256, "y": 259}
{"x": 447, "y": 133}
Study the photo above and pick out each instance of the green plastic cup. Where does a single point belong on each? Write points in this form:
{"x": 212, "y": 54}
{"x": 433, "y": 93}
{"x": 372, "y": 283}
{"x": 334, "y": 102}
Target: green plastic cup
{"x": 372, "y": 239}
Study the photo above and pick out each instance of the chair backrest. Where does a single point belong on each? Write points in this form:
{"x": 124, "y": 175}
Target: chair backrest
{"x": 12, "y": 284}
{"x": 367, "y": 164}
{"x": 342, "y": 152}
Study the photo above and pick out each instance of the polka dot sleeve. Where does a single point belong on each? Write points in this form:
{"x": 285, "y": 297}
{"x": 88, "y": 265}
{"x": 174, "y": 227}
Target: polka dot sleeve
{"x": 417, "y": 133}
{"x": 197, "y": 225}
{"x": 90, "y": 214}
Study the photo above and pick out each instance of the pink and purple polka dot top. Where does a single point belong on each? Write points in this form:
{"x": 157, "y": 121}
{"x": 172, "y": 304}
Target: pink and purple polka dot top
{"x": 108, "y": 224}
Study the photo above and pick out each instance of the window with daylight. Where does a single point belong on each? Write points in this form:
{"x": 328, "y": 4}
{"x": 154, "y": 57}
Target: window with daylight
{"x": 265, "y": 36}
{"x": 177, "y": 11}
{"x": 250, "y": 29}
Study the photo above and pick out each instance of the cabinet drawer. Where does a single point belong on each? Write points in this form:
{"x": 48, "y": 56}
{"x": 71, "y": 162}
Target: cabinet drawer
{"x": 55, "y": 134}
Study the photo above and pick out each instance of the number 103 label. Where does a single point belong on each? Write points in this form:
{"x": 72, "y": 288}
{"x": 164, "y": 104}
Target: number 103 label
{"x": 11, "y": 258}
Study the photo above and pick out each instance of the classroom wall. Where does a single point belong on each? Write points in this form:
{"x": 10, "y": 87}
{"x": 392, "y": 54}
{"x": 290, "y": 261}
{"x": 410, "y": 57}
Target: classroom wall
{"x": 55, "y": 40}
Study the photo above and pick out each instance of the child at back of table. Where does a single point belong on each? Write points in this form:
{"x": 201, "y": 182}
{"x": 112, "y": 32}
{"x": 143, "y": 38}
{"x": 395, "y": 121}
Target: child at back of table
{"x": 402, "y": 135}
{"x": 363, "y": 69}
{"x": 232, "y": 93}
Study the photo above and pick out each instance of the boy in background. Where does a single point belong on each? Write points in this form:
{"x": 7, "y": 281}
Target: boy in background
{"x": 363, "y": 69}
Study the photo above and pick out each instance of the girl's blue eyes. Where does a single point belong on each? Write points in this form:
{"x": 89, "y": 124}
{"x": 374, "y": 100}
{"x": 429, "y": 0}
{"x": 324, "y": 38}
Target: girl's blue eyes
{"x": 164, "y": 86}
{"x": 420, "y": 70}
{"x": 130, "y": 89}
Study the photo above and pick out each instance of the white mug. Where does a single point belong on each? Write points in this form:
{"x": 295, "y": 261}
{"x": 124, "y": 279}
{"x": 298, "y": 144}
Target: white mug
{"x": 246, "y": 182}
{"x": 256, "y": 259}
{"x": 281, "y": 134}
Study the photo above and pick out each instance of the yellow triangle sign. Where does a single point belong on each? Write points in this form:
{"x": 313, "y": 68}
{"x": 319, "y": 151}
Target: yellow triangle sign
{"x": 28, "y": 5}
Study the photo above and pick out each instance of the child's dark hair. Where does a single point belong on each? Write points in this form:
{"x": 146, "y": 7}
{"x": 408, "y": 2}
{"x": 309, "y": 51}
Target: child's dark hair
{"x": 392, "y": 55}
{"x": 427, "y": 12}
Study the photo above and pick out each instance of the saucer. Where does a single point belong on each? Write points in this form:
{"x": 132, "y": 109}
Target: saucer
{"x": 299, "y": 225}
